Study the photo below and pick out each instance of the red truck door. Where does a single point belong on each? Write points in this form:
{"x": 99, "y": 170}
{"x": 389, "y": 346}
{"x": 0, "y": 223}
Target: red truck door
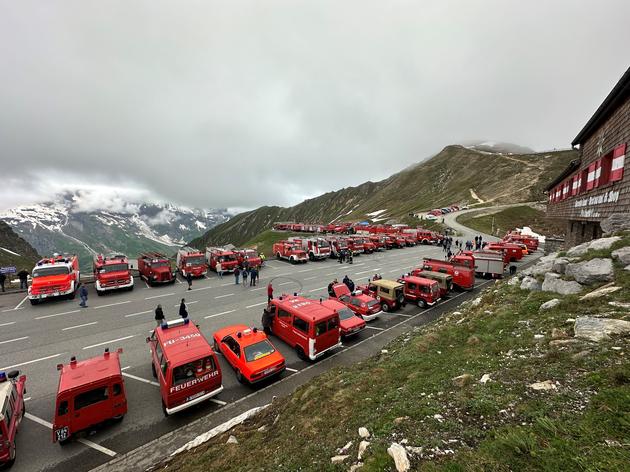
{"x": 91, "y": 406}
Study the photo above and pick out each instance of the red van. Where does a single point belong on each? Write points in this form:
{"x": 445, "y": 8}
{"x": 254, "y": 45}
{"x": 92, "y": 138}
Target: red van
{"x": 365, "y": 306}
{"x": 12, "y": 390}
{"x": 349, "y": 322}
{"x": 184, "y": 364}
{"x": 309, "y": 327}
{"x": 90, "y": 392}
{"x": 421, "y": 291}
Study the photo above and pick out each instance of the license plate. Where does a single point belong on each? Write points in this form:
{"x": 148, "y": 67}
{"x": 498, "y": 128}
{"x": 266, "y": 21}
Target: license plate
{"x": 268, "y": 371}
{"x": 196, "y": 395}
{"x": 62, "y": 434}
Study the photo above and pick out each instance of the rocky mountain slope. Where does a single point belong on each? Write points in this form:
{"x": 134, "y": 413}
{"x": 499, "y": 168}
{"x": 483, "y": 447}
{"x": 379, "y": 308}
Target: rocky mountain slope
{"x": 15, "y": 251}
{"x": 457, "y": 174}
{"x": 61, "y": 226}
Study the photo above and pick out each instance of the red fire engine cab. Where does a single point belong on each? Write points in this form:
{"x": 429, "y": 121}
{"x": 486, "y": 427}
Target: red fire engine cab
{"x": 191, "y": 261}
{"x": 111, "y": 273}
{"x": 249, "y": 256}
{"x": 185, "y": 365}
{"x": 90, "y": 392}
{"x": 316, "y": 248}
{"x": 227, "y": 258}
{"x": 155, "y": 268}
{"x": 289, "y": 251}
{"x": 12, "y": 390}
{"x": 55, "y": 277}
{"x": 463, "y": 275}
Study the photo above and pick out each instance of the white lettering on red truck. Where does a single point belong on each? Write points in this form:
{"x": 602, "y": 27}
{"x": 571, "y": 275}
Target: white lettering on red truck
{"x": 193, "y": 382}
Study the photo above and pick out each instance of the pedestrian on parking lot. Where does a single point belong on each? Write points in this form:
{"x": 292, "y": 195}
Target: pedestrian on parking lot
{"x": 159, "y": 315}
{"x": 449, "y": 254}
{"x": 83, "y": 293}
{"x": 350, "y": 257}
{"x": 253, "y": 275}
{"x": 269, "y": 292}
{"x": 183, "y": 310}
{"x": 23, "y": 276}
{"x": 262, "y": 258}
{"x": 245, "y": 274}
{"x": 219, "y": 270}
{"x": 2, "y": 279}
{"x": 237, "y": 274}
{"x": 189, "y": 280}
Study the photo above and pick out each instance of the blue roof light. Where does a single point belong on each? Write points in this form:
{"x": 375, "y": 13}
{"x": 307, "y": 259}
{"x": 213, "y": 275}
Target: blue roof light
{"x": 3, "y": 376}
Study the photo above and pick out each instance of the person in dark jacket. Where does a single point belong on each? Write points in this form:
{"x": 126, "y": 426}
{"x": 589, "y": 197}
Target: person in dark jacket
{"x": 245, "y": 273}
{"x": 2, "y": 280}
{"x": 346, "y": 281}
{"x": 83, "y": 293}
{"x": 237, "y": 274}
{"x": 159, "y": 315}
{"x": 253, "y": 275}
{"x": 350, "y": 285}
{"x": 183, "y": 311}
{"x": 23, "y": 276}
{"x": 189, "y": 280}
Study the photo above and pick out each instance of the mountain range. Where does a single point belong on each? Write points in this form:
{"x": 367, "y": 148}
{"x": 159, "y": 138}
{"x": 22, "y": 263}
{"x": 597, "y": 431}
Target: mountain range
{"x": 15, "y": 251}
{"x": 480, "y": 173}
{"x": 63, "y": 226}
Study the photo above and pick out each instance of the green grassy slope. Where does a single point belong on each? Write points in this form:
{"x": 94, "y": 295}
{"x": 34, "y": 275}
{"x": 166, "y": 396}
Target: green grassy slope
{"x": 510, "y": 218}
{"x": 407, "y": 394}
{"x": 11, "y": 241}
{"x": 444, "y": 179}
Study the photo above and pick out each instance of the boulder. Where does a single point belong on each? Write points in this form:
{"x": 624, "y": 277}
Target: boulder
{"x": 563, "y": 342}
{"x": 627, "y": 267}
{"x": 598, "y": 329}
{"x": 615, "y": 222}
{"x": 338, "y": 459}
{"x": 559, "y": 333}
{"x": 364, "y": 433}
{"x": 553, "y": 283}
{"x": 545, "y": 385}
{"x": 462, "y": 380}
{"x": 399, "y": 454}
{"x": 595, "y": 244}
{"x": 485, "y": 378}
{"x": 559, "y": 265}
{"x": 590, "y": 272}
{"x": 541, "y": 268}
{"x": 363, "y": 445}
{"x": 600, "y": 292}
{"x": 622, "y": 255}
{"x": 232, "y": 440}
{"x": 514, "y": 281}
{"x": 531, "y": 284}
{"x": 346, "y": 448}
{"x": 355, "y": 467}
{"x": 549, "y": 305}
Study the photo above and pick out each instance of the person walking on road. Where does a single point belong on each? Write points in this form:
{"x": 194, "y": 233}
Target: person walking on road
{"x": 253, "y": 275}
{"x": 189, "y": 280}
{"x": 220, "y": 270}
{"x": 183, "y": 310}
{"x": 245, "y": 271}
{"x": 83, "y": 293}
{"x": 23, "y": 276}
{"x": 2, "y": 280}
{"x": 269, "y": 292}
{"x": 237, "y": 274}
{"x": 159, "y": 315}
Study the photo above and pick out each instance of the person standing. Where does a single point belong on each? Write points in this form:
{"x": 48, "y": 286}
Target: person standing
{"x": 159, "y": 315}
{"x": 237, "y": 274}
{"x": 83, "y": 293}
{"x": 189, "y": 280}
{"x": 2, "y": 280}
{"x": 245, "y": 271}
{"x": 253, "y": 275}
{"x": 183, "y": 310}
{"x": 269, "y": 292}
{"x": 23, "y": 276}
{"x": 220, "y": 270}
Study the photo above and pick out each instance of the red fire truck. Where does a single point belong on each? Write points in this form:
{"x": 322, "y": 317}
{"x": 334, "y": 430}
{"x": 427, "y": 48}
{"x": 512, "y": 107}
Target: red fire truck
{"x": 12, "y": 390}
{"x": 337, "y": 245}
{"x": 355, "y": 245}
{"x": 227, "y": 257}
{"x": 530, "y": 241}
{"x": 511, "y": 252}
{"x": 378, "y": 241}
{"x": 248, "y": 255}
{"x": 155, "y": 268}
{"x": 111, "y": 273}
{"x": 423, "y": 292}
{"x": 463, "y": 275}
{"x": 484, "y": 263}
{"x": 191, "y": 261}
{"x": 290, "y": 251}
{"x": 316, "y": 248}
{"x": 184, "y": 364}
{"x": 55, "y": 277}
{"x": 307, "y": 326}
{"x": 90, "y": 392}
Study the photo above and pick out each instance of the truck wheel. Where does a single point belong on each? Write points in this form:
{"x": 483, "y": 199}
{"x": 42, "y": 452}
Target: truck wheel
{"x": 153, "y": 370}
{"x": 300, "y": 353}
{"x": 311, "y": 256}
{"x": 129, "y": 289}
{"x": 64, "y": 442}
{"x": 240, "y": 377}
{"x": 215, "y": 346}
{"x": 278, "y": 255}
{"x": 12, "y": 456}
{"x": 292, "y": 260}
{"x": 422, "y": 304}
{"x": 118, "y": 418}
{"x": 385, "y": 307}
{"x": 34, "y": 302}
{"x": 99, "y": 293}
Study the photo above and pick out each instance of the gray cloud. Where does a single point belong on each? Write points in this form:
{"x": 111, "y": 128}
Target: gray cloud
{"x": 243, "y": 103}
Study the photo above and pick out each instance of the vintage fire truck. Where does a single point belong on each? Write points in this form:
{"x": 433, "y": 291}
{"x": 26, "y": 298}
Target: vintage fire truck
{"x": 89, "y": 393}
{"x": 227, "y": 257}
{"x": 511, "y": 252}
{"x": 463, "y": 275}
{"x": 337, "y": 245}
{"x": 248, "y": 257}
{"x": 111, "y": 273}
{"x": 316, "y": 248}
{"x": 155, "y": 268}
{"x": 530, "y": 241}
{"x": 12, "y": 390}
{"x": 484, "y": 263}
{"x": 289, "y": 251}
{"x": 55, "y": 277}
{"x": 185, "y": 365}
{"x": 421, "y": 291}
{"x": 355, "y": 245}
{"x": 378, "y": 241}
{"x": 191, "y": 261}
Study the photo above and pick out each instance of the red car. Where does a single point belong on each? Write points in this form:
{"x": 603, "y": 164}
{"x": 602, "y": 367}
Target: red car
{"x": 12, "y": 390}
{"x": 349, "y": 323}
{"x": 363, "y": 305}
{"x": 250, "y": 353}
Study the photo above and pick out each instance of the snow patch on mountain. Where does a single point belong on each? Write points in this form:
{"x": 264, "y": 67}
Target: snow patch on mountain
{"x": 9, "y": 251}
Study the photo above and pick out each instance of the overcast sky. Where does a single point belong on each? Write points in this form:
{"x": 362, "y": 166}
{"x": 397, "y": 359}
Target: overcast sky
{"x": 244, "y": 103}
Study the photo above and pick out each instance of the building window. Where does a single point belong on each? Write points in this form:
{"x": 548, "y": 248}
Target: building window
{"x": 617, "y": 163}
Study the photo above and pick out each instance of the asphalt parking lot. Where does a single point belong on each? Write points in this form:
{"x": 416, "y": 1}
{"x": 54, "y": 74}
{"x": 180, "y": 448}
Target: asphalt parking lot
{"x": 34, "y": 339}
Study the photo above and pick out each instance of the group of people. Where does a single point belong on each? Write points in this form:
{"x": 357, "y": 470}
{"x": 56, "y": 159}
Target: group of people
{"x": 159, "y": 312}
{"x": 22, "y": 276}
{"x": 345, "y": 255}
{"x": 447, "y": 244}
{"x": 347, "y": 281}
{"x": 251, "y": 273}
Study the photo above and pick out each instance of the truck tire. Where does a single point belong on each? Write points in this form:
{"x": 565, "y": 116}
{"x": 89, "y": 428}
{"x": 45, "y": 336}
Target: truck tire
{"x": 300, "y": 353}
{"x": 164, "y": 409}
{"x": 34, "y": 301}
{"x": 422, "y": 304}
{"x": 240, "y": 377}
{"x": 278, "y": 255}
{"x": 12, "y": 457}
{"x": 311, "y": 256}
{"x": 99, "y": 293}
{"x": 153, "y": 371}
{"x": 385, "y": 307}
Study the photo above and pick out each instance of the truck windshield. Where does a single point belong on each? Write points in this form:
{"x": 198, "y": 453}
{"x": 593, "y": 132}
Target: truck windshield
{"x": 46, "y": 271}
{"x": 197, "y": 260}
{"x": 251, "y": 254}
{"x": 114, "y": 268}
{"x": 159, "y": 264}
{"x": 323, "y": 244}
{"x": 372, "y": 303}
{"x": 345, "y": 314}
{"x": 258, "y": 351}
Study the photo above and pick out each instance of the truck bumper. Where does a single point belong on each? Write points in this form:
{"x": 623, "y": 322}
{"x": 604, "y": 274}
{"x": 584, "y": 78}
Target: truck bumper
{"x": 100, "y": 288}
{"x": 41, "y": 296}
{"x": 320, "y": 354}
{"x": 372, "y": 316}
{"x": 196, "y": 401}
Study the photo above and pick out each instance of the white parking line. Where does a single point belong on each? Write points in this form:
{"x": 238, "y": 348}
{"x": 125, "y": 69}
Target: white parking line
{"x": 79, "y": 326}
{"x": 399, "y": 314}
{"x": 57, "y": 314}
{"x": 218, "y": 402}
{"x": 366, "y": 271}
{"x": 83, "y": 441}
{"x": 227, "y": 285}
{"x": 13, "y": 340}
{"x": 305, "y": 270}
{"x": 147, "y": 284}
{"x": 219, "y": 314}
{"x": 12, "y": 309}
{"x": 20, "y": 304}
{"x": 290, "y": 369}
{"x": 317, "y": 289}
{"x": 200, "y": 288}
{"x": 256, "y": 289}
{"x": 31, "y": 362}
{"x": 285, "y": 283}
{"x": 7, "y": 324}
{"x": 159, "y": 296}
{"x": 331, "y": 273}
{"x": 310, "y": 278}
{"x": 178, "y": 281}
{"x": 109, "y": 342}
{"x": 374, "y": 327}
{"x": 256, "y": 304}
{"x": 226, "y": 295}
{"x": 187, "y": 303}
{"x": 111, "y": 304}
{"x": 139, "y": 313}
{"x": 140, "y": 379}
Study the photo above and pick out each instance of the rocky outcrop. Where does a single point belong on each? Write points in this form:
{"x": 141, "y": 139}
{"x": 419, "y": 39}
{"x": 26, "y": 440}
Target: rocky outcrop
{"x": 399, "y": 454}
{"x": 531, "y": 284}
{"x": 615, "y": 222}
{"x": 553, "y": 283}
{"x": 591, "y": 272}
{"x": 559, "y": 265}
{"x": 601, "y": 292}
{"x": 598, "y": 329}
{"x": 541, "y": 268}
{"x": 622, "y": 255}
{"x": 596, "y": 244}
{"x": 550, "y": 304}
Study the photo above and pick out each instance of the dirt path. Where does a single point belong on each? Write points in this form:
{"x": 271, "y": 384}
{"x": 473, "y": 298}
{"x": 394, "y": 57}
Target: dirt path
{"x": 475, "y": 196}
